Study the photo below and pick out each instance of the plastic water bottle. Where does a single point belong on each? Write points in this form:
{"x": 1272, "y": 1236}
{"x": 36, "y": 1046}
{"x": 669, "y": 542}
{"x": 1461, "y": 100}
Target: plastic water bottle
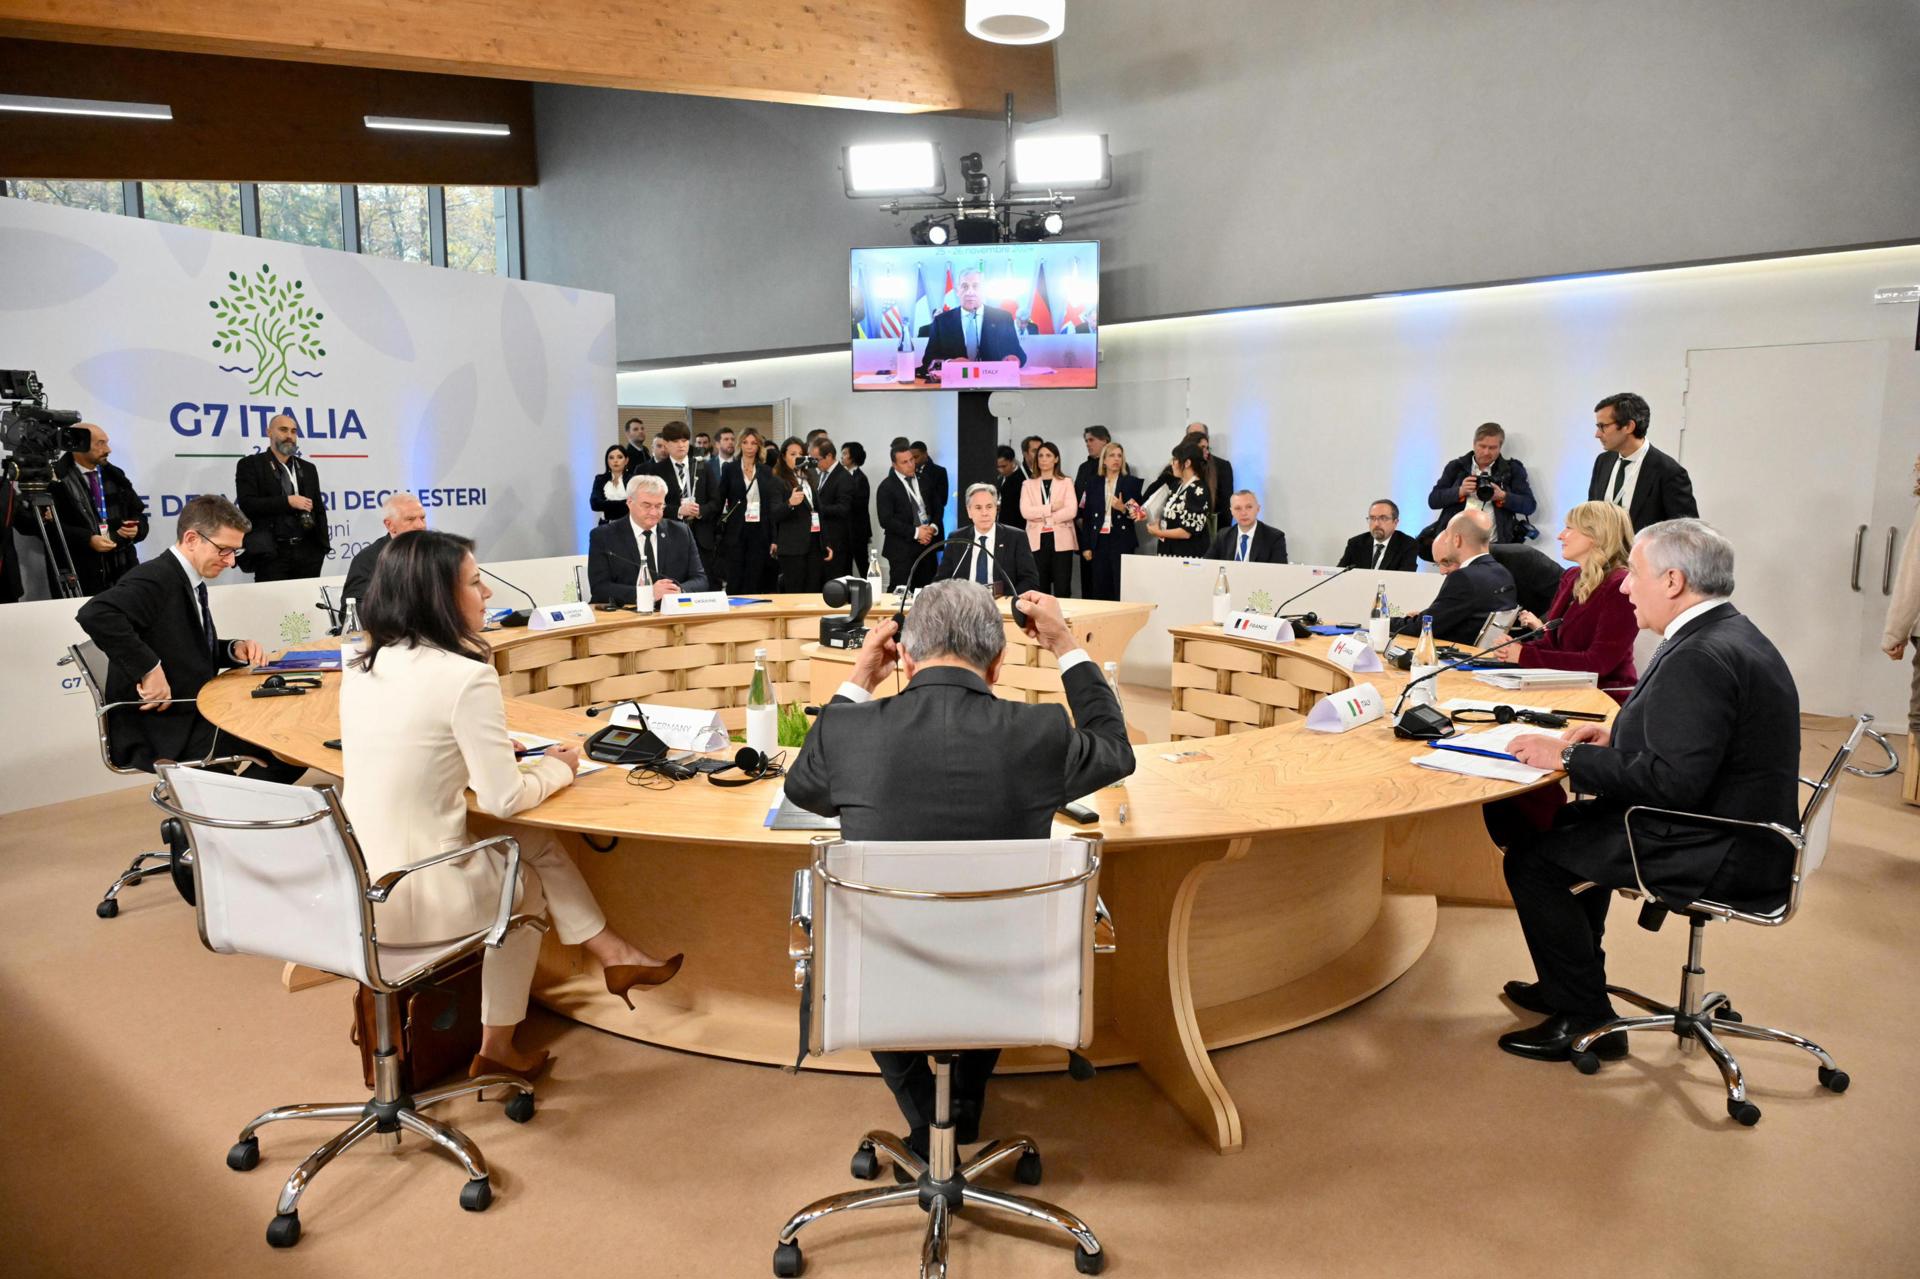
{"x": 1380, "y": 620}
{"x": 353, "y": 640}
{"x": 763, "y": 717}
{"x": 1426, "y": 660}
{"x": 1222, "y": 598}
{"x": 876, "y": 580}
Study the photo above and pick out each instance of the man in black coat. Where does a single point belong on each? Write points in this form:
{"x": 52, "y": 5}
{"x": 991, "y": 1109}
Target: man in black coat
{"x": 1631, "y": 472}
{"x": 280, "y": 492}
{"x": 1008, "y": 478}
{"x": 971, "y": 331}
{"x": 1008, "y": 556}
{"x": 935, "y": 484}
{"x": 946, "y": 759}
{"x": 400, "y": 513}
{"x": 1096, "y": 438}
{"x": 1383, "y": 546}
{"x": 643, "y": 548}
{"x": 1536, "y": 575}
{"x": 1476, "y": 584}
{"x": 690, "y": 488}
{"x": 1247, "y": 540}
{"x": 909, "y": 522}
{"x": 1713, "y": 727}
{"x": 1510, "y": 494}
{"x": 101, "y": 516}
{"x": 157, "y": 631}
{"x": 833, "y": 496}
{"x": 853, "y": 457}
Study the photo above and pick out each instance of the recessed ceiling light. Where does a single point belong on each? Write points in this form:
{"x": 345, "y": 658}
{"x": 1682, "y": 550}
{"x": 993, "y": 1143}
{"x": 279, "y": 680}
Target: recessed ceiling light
{"x": 406, "y": 125}
{"x": 86, "y": 106}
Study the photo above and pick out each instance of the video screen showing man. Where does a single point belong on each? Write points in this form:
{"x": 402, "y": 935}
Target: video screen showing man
{"x": 973, "y": 332}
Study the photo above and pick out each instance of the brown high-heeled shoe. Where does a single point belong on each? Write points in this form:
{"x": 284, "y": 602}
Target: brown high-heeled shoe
{"x": 622, "y": 978}
{"x": 485, "y": 1065}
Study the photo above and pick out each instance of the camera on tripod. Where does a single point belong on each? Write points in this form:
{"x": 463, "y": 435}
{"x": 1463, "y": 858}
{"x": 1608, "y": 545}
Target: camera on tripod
{"x": 32, "y": 436}
{"x": 855, "y": 594}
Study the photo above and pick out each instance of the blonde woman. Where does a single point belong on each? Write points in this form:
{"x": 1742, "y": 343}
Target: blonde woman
{"x": 1107, "y": 500}
{"x": 1597, "y": 625}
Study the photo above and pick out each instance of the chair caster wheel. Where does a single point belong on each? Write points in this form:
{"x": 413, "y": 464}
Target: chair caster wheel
{"x": 245, "y": 1155}
{"x": 284, "y": 1230}
{"x": 1586, "y": 1063}
{"x": 1745, "y": 1113}
{"x": 107, "y": 909}
{"x": 1834, "y": 1080}
{"x": 476, "y": 1194}
{"x": 1088, "y": 1263}
{"x": 520, "y": 1107}
{"x": 1027, "y": 1171}
{"x": 1725, "y": 1013}
{"x": 787, "y": 1261}
{"x": 866, "y": 1164}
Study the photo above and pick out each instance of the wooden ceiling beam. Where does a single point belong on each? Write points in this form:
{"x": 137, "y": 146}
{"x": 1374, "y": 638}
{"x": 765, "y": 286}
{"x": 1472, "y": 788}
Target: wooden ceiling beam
{"x": 873, "y": 55}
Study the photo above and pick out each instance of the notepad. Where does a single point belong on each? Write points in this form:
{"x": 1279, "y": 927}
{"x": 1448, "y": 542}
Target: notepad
{"x": 1536, "y": 677}
{"x": 1502, "y": 770}
{"x": 303, "y": 659}
{"x": 784, "y": 816}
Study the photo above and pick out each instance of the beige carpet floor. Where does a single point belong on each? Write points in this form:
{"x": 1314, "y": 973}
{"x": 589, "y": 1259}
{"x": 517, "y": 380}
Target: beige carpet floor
{"x": 1393, "y": 1139}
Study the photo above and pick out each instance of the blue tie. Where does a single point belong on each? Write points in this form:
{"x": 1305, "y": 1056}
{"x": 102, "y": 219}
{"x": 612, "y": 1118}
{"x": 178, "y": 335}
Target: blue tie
{"x": 980, "y": 573}
{"x": 1243, "y": 546}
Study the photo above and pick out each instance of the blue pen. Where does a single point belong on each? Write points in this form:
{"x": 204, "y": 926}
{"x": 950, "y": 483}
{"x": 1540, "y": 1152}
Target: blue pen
{"x": 1474, "y": 750}
{"x": 528, "y": 754}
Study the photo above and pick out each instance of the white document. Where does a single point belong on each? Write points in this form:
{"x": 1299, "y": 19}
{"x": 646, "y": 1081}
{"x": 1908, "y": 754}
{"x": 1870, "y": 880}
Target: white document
{"x": 1502, "y": 770}
{"x": 526, "y": 744}
{"x": 1538, "y": 678}
{"x": 682, "y": 728}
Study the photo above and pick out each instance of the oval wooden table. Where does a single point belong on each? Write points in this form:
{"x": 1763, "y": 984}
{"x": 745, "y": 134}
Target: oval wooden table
{"x": 1245, "y": 875}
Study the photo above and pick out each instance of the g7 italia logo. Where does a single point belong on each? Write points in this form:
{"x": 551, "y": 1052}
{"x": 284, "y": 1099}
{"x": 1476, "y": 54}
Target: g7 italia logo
{"x": 267, "y": 319}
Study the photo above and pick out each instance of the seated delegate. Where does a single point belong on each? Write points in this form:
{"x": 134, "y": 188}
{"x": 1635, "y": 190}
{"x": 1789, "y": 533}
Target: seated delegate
{"x": 422, "y": 720}
{"x": 1007, "y": 557}
{"x": 1247, "y": 540}
{"x": 1383, "y": 546}
{"x": 1476, "y": 585}
{"x": 1597, "y": 626}
{"x": 639, "y": 560}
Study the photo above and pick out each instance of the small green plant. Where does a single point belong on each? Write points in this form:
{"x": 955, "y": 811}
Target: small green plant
{"x": 794, "y": 725}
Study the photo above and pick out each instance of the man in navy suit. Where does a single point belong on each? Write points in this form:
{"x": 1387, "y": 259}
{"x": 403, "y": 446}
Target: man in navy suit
{"x": 1631, "y": 473}
{"x": 1008, "y": 557}
{"x": 974, "y": 332}
{"x": 643, "y": 551}
{"x": 1476, "y": 585}
{"x": 1247, "y": 539}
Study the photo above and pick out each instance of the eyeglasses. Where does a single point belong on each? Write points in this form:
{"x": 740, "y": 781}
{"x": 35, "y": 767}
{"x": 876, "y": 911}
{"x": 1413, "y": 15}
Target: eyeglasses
{"x": 224, "y": 552}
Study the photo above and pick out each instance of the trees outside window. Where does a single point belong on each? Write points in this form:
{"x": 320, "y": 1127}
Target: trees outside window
{"x": 101, "y": 197}
{"x": 211, "y": 206}
{"x": 472, "y": 237}
{"x": 302, "y": 213}
{"x": 393, "y": 222}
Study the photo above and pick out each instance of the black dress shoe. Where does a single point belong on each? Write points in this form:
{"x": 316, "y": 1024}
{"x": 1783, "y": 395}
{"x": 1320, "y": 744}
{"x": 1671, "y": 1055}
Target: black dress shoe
{"x": 1526, "y": 994}
{"x": 966, "y": 1122}
{"x": 1552, "y": 1040}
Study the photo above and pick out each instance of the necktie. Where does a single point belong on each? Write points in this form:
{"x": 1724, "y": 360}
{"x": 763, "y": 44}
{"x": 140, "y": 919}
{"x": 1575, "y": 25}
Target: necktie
{"x": 686, "y": 490}
{"x": 99, "y": 497}
{"x": 286, "y": 480}
{"x": 1379, "y": 553}
{"x": 980, "y": 573}
{"x": 206, "y": 623}
{"x": 653, "y": 566}
{"x": 1243, "y": 548}
{"x": 1619, "y": 480}
{"x": 973, "y": 335}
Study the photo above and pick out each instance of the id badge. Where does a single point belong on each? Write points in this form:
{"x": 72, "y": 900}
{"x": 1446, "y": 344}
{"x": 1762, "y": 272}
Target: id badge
{"x": 816, "y": 521}
{"x": 753, "y": 517}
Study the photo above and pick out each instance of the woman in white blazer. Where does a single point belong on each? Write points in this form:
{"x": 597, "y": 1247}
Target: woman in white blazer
{"x": 1050, "y": 507}
{"x": 421, "y": 720}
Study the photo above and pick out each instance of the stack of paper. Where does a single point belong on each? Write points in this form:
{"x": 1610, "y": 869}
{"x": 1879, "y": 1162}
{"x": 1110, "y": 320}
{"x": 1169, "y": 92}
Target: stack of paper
{"x": 1538, "y": 678}
{"x": 1483, "y": 754}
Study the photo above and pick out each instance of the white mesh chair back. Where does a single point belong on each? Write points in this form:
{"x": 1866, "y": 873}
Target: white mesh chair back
{"x": 926, "y": 975}
{"x": 1816, "y": 820}
{"x": 296, "y": 894}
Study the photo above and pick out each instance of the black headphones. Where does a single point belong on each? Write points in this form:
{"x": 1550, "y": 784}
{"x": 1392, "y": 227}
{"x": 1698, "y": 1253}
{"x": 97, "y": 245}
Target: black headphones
{"x": 1509, "y": 714}
{"x": 966, "y": 539}
{"x": 751, "y": 762}
{"x": 286, "y": 685}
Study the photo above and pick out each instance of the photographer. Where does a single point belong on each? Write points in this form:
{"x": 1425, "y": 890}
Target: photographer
{"x": 1483, "y": 480}
{"x": 101, "y": 515}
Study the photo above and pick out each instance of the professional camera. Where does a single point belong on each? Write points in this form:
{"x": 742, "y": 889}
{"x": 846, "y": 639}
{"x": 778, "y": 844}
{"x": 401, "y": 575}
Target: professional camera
{"x": 855, "y": 594}
{"x": 1483, "y": 488}
{"x": 32, "y": 436}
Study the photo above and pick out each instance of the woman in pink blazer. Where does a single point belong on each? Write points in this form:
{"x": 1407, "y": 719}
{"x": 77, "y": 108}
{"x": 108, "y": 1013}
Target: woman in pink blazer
{"x": 1049, "y": 505}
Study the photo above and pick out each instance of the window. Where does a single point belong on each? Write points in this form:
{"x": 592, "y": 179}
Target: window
{"x": 211, "y": 206}
{"x": 302, "y": 213}
{"x": 393, "y": 222}
{"x": 102, "y": 197}
{"x": 472, "y": 239}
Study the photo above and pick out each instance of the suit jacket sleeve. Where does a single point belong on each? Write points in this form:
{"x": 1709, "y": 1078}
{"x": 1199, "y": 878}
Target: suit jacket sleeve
{"x": 608, "y": 580}
{"x": 309, "y": 487}
{"x": 1279, "y": 547}
{"x": 1098, "y": 754}
{"x": 257, "y": 500}
{"x": 1597, "y": 482}
{"x": 1519, "y": 490}
{"x": 118, "y": 618}
{"x": 1615, "y": 630}
{"x": 1222, "y": 548}
{"x": 1677, "y": 493}
{"x": 1687, "y": 722}
{"x": 1446, "y": 489}
{"x": 1025, "y": 570}
{"x": 500, "y": 786}
{"x": 1449, "y": 607}
{"x": 1355, "y": 556}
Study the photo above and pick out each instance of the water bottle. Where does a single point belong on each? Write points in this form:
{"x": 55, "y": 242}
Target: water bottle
{"x": 1222, "y": 598}
{"x": 1380, "y": 620}
{"x": 905, "y": 363}
{"x": 876, "y": 580}
{"x": 763, "y": 717}
{"x": 1426, "y": 660}
{"x": 353, "y": 640}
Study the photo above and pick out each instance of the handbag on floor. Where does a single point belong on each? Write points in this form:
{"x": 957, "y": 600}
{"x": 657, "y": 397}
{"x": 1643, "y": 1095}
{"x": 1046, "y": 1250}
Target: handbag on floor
{"x": 438, "y": 1030}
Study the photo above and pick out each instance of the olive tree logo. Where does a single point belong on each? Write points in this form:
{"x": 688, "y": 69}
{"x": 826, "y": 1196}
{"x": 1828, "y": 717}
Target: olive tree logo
{"x": 296, "y": 628}
{"x": 269, "y": 317}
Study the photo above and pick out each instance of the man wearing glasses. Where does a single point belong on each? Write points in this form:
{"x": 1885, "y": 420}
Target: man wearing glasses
{"x": 156, "y": 628}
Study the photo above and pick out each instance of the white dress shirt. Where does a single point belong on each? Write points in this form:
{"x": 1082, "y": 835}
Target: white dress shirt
{"x": 643, "y": 581}
{"x": 1704, "y": 606}
{"x": 1632, "y": 462}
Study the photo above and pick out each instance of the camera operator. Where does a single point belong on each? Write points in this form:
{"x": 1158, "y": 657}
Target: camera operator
{"x": 1483, "y": 480}
{"x": 101, "y": 515}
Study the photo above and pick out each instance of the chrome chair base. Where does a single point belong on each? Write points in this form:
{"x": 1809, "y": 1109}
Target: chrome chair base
{"x": 1704, "y": 1020}
{"x": 171, "y": 863}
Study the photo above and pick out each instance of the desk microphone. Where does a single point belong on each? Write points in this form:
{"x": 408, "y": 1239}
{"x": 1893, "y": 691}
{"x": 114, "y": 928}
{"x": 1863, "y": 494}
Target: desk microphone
{"x": 1310, "y": 619}
{"x": 1425, "y": 723}
{"x": 519, "y": 616}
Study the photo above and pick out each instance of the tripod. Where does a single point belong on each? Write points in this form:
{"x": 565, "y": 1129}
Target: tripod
{"x": 62, "y": 575}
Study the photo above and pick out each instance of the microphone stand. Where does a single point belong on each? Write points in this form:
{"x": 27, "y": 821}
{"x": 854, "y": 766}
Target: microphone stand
{"x": 1309, "y": 619}
{"x": 1426, "y": 723}
{"x": 519, "y": 616}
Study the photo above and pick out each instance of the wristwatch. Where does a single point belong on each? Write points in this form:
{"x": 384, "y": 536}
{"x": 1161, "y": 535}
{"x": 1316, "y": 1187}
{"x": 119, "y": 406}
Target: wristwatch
{"x": 1566, "y": 756}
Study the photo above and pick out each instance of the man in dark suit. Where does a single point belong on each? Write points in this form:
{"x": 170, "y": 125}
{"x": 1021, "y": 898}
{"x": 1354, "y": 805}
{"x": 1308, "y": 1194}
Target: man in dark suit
{"x": 1247, "y": 540}
{"x": 400, "y": 513}
{"x": 157, "y": 631}
{"x": 1631, "y": 473}
{"x": 1008, "y": 477}
{"x": 645, "y": 551}
{"x": 934, "y": 482}
{"x": 690, "y": 489}
{"x": 1713, "y": 727}
{"x": 1096, "y": 438}
{"x": 280, "y": 492}
{"x": 639, "y": 453}
{"x": 1536, "y": 575}
{"x": 833, "y": 503}
{"x": 946, "y": 759}
{"x": 1008, "y": 556}
{"x": 853, "y": 457}
{"x": 100, "y": 515}
{"x": 1383, "y": 546}
{"x": 1510, "y": 493}
{"x": 973, "y": 331}
{"x": 909, "y": 522}
{"x": 1476, "y": 584}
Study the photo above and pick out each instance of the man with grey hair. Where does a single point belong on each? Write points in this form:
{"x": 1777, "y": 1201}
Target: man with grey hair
{"x": 1713, "y": 727}
{"x": 401, "y": 513}
{"x": 280, "y": 492}
{"x": 946, "y": 759}
{"x": 990, "y": 553}
{"x": 638, "y": 561}
{"x": 1476, "y": 585}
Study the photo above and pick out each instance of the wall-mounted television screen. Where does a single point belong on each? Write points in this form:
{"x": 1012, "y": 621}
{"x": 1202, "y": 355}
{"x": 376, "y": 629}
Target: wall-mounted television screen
{"x": 976, "y": 317}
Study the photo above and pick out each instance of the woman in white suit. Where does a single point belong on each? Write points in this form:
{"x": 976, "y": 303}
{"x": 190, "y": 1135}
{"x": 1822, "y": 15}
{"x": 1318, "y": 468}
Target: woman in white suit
{"x": 421, "y": 720}
{"x": 1051, "y": 507}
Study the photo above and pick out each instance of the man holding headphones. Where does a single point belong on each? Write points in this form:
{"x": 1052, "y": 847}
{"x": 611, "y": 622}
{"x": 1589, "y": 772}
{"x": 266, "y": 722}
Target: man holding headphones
{"x": 946, "y": 759}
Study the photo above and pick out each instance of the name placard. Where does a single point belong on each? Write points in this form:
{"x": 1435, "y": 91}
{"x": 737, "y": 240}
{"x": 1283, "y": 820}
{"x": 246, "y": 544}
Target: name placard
{"x": 1354, "y": 653}
{"x": 975, "y": 375}
{"x": 1275, "y": 630}
{"x": 698, "y": 602}
{"x": 1338, "y": 712}
{"x": 553, "y": 617}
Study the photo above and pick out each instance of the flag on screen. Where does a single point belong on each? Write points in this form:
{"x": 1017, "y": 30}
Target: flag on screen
{"x": 922, "y": 309}
{"x": 1039, "y": 313}
{"x": 950, "y": 299}
{"x": 892, "y": 323}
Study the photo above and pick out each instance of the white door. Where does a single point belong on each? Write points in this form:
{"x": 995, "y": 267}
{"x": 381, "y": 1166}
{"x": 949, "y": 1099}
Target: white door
{"x": 1782, "y": 444}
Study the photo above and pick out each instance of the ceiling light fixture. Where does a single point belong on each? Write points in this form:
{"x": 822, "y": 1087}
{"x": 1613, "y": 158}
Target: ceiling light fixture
{"x": 1016, "y": 21}
{"x": 86, "y": 106}
{"x": 404, "y": 124}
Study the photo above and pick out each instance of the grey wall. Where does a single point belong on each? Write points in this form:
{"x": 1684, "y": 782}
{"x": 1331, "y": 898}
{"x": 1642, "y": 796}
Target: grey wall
{"x": 1269, "y": 152}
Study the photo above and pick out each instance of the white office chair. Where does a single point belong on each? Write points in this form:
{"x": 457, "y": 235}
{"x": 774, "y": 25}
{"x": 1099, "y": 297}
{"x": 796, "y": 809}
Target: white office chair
{"x": 280, "y": 874}
{"x": 87, "y": 659}
{"x": 1704, "y": 1019}
{"x": 936, "y": 947}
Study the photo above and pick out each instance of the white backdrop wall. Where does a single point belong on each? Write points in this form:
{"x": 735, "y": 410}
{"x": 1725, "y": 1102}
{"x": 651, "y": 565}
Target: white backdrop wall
{"x": 488, "y": 397}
